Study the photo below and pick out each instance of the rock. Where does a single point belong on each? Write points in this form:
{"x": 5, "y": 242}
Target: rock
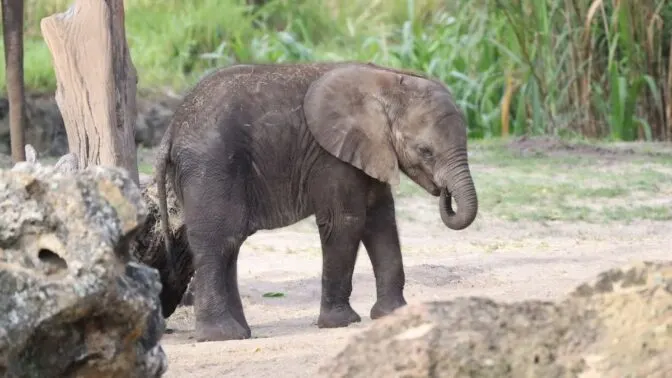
{"x": 5, "y": 161}
{"x": 45, "y": 129}
{"x": 619, "y": 325}
{"x": 72, "y": 301}
{"x": 66, "y": 164}
{"x": 152, "y": 121}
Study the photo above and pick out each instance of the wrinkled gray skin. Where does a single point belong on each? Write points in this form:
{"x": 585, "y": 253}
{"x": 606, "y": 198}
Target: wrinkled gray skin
{"x": 258, "y": 147}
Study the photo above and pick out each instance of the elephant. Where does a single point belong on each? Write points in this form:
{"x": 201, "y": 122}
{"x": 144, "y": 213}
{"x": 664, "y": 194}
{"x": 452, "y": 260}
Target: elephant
{"x": 12, "y": 29}
{"x": 262, "y": 146}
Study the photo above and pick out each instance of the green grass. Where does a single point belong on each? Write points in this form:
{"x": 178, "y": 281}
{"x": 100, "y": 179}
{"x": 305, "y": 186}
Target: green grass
{"x": 515, "y": 66}
{"x": 571, "y": 188}
{"x": 563, "y": 187}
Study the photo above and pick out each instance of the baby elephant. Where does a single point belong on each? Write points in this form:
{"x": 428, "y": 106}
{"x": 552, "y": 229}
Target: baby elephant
{"x": 263, "y": 146}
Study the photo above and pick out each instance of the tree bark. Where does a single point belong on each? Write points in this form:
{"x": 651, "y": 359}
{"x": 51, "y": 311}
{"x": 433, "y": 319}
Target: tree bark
{"x": 96, "y": 82}
{"x": 12, "y": 30}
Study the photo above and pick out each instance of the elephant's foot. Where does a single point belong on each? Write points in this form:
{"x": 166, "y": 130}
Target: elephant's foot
{"x": 221, "y": 330}
{"x": 385, "y": 306}
{"x": 337, "y": 316}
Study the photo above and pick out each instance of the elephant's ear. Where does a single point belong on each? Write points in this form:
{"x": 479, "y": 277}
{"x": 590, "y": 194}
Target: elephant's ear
{"x": 344, "y": 111}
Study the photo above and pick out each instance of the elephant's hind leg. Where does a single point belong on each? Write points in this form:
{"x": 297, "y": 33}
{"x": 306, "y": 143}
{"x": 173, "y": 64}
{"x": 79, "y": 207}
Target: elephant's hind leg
{"x": 216, "y": 224}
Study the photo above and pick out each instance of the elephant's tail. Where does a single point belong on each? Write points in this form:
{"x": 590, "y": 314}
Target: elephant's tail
{"x": 162, "y": 159}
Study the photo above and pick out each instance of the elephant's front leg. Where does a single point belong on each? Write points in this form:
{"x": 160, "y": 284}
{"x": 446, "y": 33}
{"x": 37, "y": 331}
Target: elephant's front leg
{"x": 340, "y": 232}
{"x": 381, "y": 240}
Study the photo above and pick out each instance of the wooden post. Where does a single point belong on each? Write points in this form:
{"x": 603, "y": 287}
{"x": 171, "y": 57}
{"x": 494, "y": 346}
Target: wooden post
{"x": 96, "y": 82}
{"x": 12, "y": 30}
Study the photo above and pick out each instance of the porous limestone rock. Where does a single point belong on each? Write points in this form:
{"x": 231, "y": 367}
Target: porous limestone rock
{"x": 618, "y": 325}
{"x": 73, "y": 303}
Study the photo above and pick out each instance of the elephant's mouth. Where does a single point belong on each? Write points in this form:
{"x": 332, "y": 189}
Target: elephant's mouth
{"x": 424, "y": 180}
{"x": 434, "y": 190}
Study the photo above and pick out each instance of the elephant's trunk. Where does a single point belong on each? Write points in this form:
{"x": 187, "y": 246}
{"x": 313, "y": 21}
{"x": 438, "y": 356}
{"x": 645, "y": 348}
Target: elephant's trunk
{"x": 459, "y": 185}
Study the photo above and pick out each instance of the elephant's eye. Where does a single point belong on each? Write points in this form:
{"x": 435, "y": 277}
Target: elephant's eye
{"x": 425, "y": 151}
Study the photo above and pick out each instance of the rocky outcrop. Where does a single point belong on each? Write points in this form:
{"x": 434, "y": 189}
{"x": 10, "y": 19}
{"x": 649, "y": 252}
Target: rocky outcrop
{"x": 619, "y": 325}
{"x": 45, "y": 129}
{"x": 73, "y": 302}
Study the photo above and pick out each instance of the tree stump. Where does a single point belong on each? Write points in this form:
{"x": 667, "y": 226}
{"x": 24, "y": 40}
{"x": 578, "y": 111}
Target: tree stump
{"x": 96, "y": 82}
{"x": 12, "y": 30}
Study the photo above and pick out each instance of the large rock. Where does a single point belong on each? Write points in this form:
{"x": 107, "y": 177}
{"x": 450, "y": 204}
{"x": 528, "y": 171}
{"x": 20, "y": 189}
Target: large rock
{"x": 72, "y": 301}
{"x": 153, "y": 118}
{"x": 45, "y": 129}
{"x": 619, "y": 325}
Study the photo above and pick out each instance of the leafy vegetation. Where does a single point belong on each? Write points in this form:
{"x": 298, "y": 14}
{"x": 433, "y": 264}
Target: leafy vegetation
{"x": 595, "y": 68}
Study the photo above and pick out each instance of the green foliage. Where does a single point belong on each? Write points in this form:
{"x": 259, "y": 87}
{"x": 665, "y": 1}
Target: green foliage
{"x": 563, "y": 67}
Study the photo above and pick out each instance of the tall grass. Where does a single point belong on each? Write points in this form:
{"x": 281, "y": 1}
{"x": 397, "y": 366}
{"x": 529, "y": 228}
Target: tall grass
{"x": 596, "y": 68}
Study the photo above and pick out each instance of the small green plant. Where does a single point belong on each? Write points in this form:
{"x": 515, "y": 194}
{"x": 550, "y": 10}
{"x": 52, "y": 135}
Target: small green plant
{"x": 273, "y": 295}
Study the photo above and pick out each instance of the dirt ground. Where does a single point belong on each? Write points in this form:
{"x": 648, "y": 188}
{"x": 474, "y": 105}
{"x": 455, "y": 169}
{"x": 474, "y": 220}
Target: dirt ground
{"x": 532, "y": 257}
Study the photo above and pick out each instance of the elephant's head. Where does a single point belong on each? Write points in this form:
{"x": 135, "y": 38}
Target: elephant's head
{"x": 383, "y": 121}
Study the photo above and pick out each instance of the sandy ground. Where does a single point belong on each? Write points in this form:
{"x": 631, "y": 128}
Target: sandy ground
{"x": 495, "y": 258}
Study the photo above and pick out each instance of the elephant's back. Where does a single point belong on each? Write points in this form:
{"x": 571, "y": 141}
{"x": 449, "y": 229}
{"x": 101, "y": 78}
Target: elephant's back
{"x": 253, "y": 96}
